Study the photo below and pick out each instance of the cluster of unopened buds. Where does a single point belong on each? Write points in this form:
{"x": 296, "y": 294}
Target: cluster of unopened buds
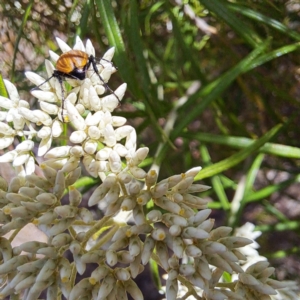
{"x": 166, "y": 223}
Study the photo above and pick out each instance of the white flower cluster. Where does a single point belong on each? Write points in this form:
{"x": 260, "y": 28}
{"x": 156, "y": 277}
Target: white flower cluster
{"x": 169, "y": 224}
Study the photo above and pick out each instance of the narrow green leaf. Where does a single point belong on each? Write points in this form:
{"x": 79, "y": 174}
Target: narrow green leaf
{"x": 114, "y": 36}
{"x": 212, "y": 91}
{"x": 244, "y": 30}
{"x": 242, "y": 142}
{"x": 3, "y": 91}
{"x": 269, "y": 190}
{"x": 258, "y": 17}
{"x": 216, "y": 181}
{"x": 238, "y": 157}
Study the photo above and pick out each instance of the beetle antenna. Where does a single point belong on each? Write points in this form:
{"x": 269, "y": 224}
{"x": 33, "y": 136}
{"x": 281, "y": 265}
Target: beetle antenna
{"x": 92, "y": 60}
{"x": 43, "y": 82}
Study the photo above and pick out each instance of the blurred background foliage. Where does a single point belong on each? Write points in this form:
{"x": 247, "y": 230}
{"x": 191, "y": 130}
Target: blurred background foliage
{"x": 210, "y": 83}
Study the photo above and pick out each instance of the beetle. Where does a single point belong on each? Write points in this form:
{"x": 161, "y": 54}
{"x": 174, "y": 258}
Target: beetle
{"x": 74, "y": 64}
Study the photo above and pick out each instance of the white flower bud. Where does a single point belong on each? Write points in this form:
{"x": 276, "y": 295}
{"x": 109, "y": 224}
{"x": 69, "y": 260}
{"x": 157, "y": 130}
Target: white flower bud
{"x": 203, "y": 268}
{"x": 77, "y": 137}
{"x": 103, "y": 154}
{"x": 47, "y": 218}
{"x": 193, "y": 251}
{"x": 5, "y": 142}
{"x": 120, "y": 149}
{"x": 183, "y": 185}
{"x": 49, "y": 173}
{"x": 32, "y": 246}
{"x": 85, "y": 215}
{"x": 106, "y": 287}
{"x": 122, "y": 274}
{"x": 66, "y": 211}
{"x": 38, "y": 181}
{"x": 197, "y": 280}
{"x": 28, "y": 114}
{"x": 124, "y": 177}
{"x": 49, "y": 108}
{"x": 109, "y": 102}
{"x": 73, "y": 176}
{"x": 6, "y": 103}
{"x": 102, "y": 190}
{"x": 94, "y": 133}
{"x": 219, "y": 262}
{"x": 99, "y": 273}
{"x": 57, "y": 152}
{"x": 46, "y": 198}
{"x": 25, "y": 283}
{"x": 193, "y": 172}
{"x": 25, "y": 146}
{"x": 8, "y": 156}
{"x": 159, "y": 190}
{"x": 111, "y": 258}
{"x": 148, "y": 248}
{"x": 172, "y": 285}
{"x": 186, "y": 270}
{"x": 201, "y": 216}
{"x": 198, "y": 188}
{"x": 120, "y": 91}
{"x": 94, "y": 99}
{"x": 158, "y": 234}
{"x": 41, "y": 117}
{"x": 137, "y": 172}
{"x": 172, "y": 219}
{"x": 114, "y": 208}
{"x": 194, "y": 233}
{"x": 163, "y": 254}
{"x": 93, "y": 256}
{"x": 109, "y": 136}
{"x": 46, "y": 271}
{"x": 60, "y": 226}
{"x": 194, "y": 201}
{"x": 132, "y": 288}
{"x": 90, "y": 146}
{"x": 175, "y": 230}
{"x": 73, "y": 114}
{"x": 124, "y": 257}
{"x": 61, "y": 240}
{"x": 115, "y": 162}
{"x": 151, "y": 178}
{"x": 50, "y": 252}
{"x": 235, "y": 242}
{"x": 138, "y": 215}
{"x": 19, "y": 212}
{"x": 128, "y": 204}
{"x": 178, "y": 246}
{"x": 6, "y": 129}
{"x": 80, "y": 265}
{"x": 154, "y": 215}
{"x": 143, "y": 198}
{"x": 134, "y": 246}
{"x": 134, "y": 188}
{"x": 77, "y": 151}
{"x": 71, "y": 165}
{"x": 207, "y": 225}
{"x": 220, "y": 232}
{"x": 65, "y": 269}
{"x": 93, "y": 119}
{"x": 118, "y": 121}
{"x": 112, "y": 195}
{"x": 20, "y": 159}
{"x": 79, "y": 291}
{"x": 11, "y": 264}
{"x": 168, "y": 205}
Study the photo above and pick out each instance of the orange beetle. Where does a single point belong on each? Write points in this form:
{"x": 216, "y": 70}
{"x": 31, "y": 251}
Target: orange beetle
{"x": 74, "y": 64}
